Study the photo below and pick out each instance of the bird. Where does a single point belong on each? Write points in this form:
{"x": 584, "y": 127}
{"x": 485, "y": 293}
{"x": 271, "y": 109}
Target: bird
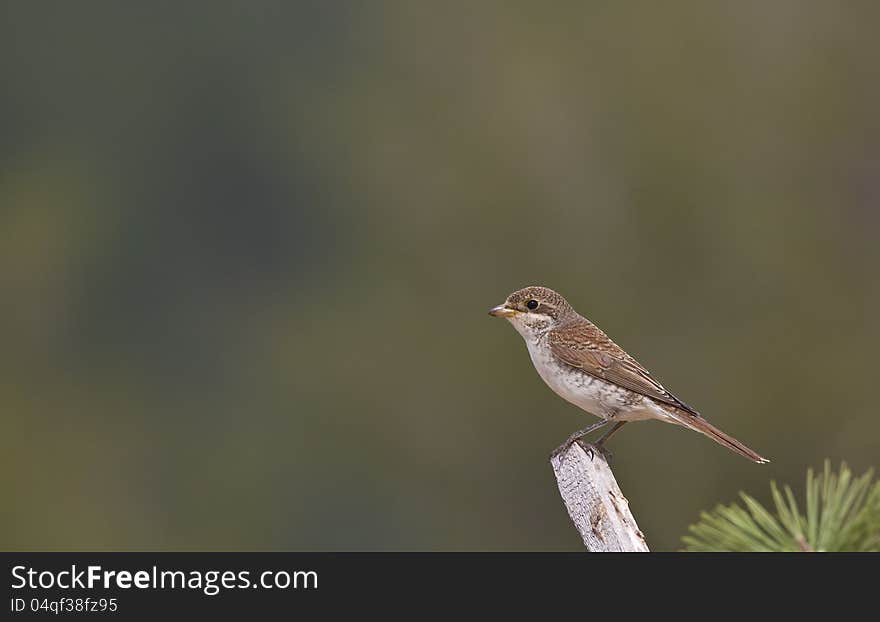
{"x": 582, "y": 365}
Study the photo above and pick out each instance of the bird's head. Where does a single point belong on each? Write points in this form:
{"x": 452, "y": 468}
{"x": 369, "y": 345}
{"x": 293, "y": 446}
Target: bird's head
{"x": 533, "y": 310}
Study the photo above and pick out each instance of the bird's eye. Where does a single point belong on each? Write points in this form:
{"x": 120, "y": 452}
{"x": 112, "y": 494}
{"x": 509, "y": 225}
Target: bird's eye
{"x": 532, "y": 304}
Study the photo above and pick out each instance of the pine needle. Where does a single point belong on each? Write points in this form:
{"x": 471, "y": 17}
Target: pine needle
{"x": 842, "y": 514}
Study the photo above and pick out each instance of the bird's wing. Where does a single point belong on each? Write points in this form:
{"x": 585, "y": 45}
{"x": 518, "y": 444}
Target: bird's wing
{"x": 589, "y": 349}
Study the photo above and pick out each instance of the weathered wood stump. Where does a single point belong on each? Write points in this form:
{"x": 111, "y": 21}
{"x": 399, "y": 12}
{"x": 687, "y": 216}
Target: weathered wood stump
{"x": 594, "y": 502}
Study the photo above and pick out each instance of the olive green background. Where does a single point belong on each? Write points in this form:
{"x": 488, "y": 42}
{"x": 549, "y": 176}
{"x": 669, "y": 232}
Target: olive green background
{"x": 247, "y": 250}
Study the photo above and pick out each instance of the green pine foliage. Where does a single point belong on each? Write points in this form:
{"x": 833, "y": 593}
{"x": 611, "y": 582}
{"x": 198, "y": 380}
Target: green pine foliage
{"x": 841, "y": 513}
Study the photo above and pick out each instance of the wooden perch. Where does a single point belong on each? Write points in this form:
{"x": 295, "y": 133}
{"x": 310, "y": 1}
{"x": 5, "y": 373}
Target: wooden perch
{"x": 594, "y": 502}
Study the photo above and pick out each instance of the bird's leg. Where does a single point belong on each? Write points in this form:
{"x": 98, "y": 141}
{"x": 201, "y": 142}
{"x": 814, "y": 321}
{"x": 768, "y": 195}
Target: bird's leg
{"x": 600, "y": 444}
{"x": 562, "y": 449}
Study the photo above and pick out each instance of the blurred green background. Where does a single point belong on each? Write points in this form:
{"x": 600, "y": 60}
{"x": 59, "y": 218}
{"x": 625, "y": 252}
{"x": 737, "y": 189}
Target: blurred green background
{"x": 247, "y": 250}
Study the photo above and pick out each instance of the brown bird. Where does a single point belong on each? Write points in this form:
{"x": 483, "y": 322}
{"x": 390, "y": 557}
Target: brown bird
{"x": 583, "y": 366}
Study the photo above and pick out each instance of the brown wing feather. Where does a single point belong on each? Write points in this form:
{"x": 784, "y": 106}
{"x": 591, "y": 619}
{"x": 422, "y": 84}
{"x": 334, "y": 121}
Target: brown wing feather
{"x": 582, "y": 345}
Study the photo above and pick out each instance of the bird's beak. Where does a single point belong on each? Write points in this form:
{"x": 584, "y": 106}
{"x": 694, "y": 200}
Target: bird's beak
{"x": 501, "y": 311}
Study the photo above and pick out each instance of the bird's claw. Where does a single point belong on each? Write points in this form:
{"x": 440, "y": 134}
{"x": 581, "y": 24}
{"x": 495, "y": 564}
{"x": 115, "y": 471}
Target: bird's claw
{"x": 592, "y": 449}
{"x": 560, "y": 451}
{"x": 578, "y": 436}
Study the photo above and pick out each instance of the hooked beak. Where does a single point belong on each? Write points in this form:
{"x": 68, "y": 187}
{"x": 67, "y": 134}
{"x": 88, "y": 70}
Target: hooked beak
{"x": 501, "y": 311}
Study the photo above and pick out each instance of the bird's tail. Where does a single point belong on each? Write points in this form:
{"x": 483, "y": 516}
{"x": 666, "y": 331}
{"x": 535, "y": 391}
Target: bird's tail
{"x": 699, "y": 424}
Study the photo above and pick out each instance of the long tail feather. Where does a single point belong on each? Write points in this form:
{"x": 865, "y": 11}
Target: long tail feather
{"x": 699, "y": 424}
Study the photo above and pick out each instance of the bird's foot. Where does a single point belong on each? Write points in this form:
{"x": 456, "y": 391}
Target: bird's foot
{"x": 591, "y": 450}
{"x": 560, "y": 451}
